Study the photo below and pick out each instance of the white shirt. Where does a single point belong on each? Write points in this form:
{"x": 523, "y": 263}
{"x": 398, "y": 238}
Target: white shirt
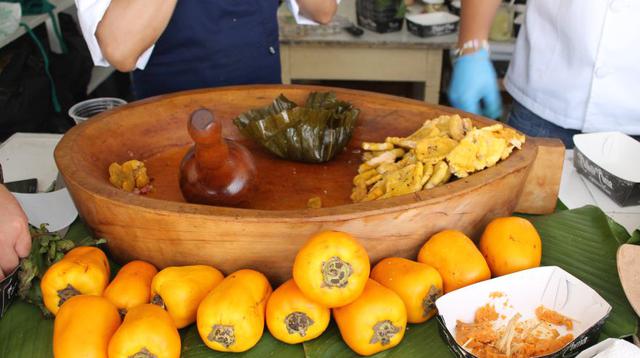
{"x": 91, "y": 12}
{"x": 577, "y": 64}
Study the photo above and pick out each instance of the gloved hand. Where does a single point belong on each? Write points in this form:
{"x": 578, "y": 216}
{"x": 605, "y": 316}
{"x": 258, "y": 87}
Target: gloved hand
{"x": 474, "y": 80}
{"x": 15, "y": 240}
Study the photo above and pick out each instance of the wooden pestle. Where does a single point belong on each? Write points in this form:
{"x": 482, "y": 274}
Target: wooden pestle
{"x": 215, "y": 171}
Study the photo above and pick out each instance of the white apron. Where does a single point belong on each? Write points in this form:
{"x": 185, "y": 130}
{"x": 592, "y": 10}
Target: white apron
{"x": 577, "y": 64}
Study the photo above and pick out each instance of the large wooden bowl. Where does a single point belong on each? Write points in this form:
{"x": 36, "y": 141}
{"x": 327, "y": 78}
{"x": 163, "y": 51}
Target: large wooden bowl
{"x": 164, "y": 230}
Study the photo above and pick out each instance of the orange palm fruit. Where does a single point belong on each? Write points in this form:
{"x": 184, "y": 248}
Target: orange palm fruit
{"x": 292, "y": 317}
{"x": 417, "y": 284}
{"x": 231, "y": 317}
{"x": 374, "y": 322}
{"x": 332, "y": 268}
{"x": 456, "y": 258}
{"x": 147, "y": 332}
{"x": 510, "y": 244}
{"x": 82, "y": 271}
{"x": 180, "y": 290}
{"x": 132, "y": 285}
{"x": 83, "y": 327}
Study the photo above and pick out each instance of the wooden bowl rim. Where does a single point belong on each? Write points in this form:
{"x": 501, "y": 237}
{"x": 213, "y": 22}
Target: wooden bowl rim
{"x": 66, "y": 156}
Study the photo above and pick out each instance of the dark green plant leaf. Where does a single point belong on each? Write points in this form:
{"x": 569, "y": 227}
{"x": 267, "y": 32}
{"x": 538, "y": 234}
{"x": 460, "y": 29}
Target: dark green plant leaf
{"x": 193, "y": 347}
{"x": 619, "y": 232}
{"x": 257, "y": 123}
{"x": 314, "y": 133}
{"x": 560, "y": 206}
{"x": 635, "y": 238}
{"x": 78, "y": 232}
{"x": 321, "y": 100}
{"x": 24, "y": 332}
{"x": 420, "y": 340}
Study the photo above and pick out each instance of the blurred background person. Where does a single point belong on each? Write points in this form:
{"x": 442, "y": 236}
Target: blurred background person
{"x": 574, "y": 69}
{"x": 173, "y": 45}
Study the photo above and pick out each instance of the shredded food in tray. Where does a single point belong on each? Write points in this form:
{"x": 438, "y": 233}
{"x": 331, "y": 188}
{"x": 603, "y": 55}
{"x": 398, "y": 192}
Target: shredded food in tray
{"x": 496, "y": 294}
{"x": 518, "y": 338}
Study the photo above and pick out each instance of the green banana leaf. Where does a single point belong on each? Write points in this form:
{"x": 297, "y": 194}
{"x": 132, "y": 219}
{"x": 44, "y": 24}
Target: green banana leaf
{"x": 582, "y": 241}
{"x": 314, "y": 133}
{"x": 193, "y": 347}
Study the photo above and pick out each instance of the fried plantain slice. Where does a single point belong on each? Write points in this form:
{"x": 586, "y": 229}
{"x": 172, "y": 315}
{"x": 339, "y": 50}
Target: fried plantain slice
{"x": 376, "y": 191}
{"x": 377, "y": 146}
{"x": 404, "y": 181}
{"x": 363, "y": 177}
{"x": 428, "y": 172}
{"x": 440, "y": 174}
{"x": 432, "y": 150}
{"x": 386, "y": 157}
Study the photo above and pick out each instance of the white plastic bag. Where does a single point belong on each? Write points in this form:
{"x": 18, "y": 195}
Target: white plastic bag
{"x": 10, "y": 14}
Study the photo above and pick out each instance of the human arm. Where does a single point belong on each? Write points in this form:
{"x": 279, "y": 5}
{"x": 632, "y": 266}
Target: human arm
{"x": 15, "y": 240}
{"x": 476, "y": 17}
{"x": 321, "y": 11}
{"x": 123, "y": 29}
{"x": 474, "y": 78}
{"x": 130, "y": 27}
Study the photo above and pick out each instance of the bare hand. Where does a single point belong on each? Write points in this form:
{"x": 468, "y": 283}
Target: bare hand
{"x": 15, "y": 240}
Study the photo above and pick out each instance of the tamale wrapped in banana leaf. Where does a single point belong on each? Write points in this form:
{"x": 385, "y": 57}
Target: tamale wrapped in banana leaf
{"x": 314, "y": 133}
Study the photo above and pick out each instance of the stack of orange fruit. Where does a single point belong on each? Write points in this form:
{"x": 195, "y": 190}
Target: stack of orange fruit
{"x": 331, "y": 275}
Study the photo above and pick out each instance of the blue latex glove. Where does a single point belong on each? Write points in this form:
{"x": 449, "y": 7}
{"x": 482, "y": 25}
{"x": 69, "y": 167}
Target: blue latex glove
{"x": 474, "y": 80}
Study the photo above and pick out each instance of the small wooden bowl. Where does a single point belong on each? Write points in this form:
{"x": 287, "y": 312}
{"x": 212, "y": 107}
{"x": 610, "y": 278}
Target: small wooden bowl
{"x": 164, "y": 230}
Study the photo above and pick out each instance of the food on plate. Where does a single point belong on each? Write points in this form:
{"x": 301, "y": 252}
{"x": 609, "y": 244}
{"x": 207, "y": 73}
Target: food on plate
{"x": 131, "y": 176}
{"x": 331, "y": 268}
{"x": 82, "y": 271}
{"x": 550, "y": 316}
{"x": 147, "y": 331}
{"x": 83, "y": 327}
{"x": 132, "y": 286}
{"x": 487, "y": 336}
{"x": 179, "y": 290}
{"x": 456, "y": 258}
{"x": 231, "y": 317}
{"x": 374, "y": 322}
{"x": 312, "y": 133}
{"x": 432, "y": 150}
{"x": 510, "y": 244}
{"x": 427, "y": 158}
{"x": 417, "y": 284}
{"x": 292, "y": 317}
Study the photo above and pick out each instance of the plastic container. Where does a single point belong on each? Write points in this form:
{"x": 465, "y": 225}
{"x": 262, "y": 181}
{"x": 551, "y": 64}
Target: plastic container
{"x": 432, "y": 24}
{"x": 8, "y": 291}
{"x": 454, "y": 7}
{"x": 522, "y": 292}
{"x": 609, "y": 160}
{"x": 380, "y": 17}
{"x": 84, "y": 110}
{"x": 502, "y": 26}
{"x": 434, "y": 6}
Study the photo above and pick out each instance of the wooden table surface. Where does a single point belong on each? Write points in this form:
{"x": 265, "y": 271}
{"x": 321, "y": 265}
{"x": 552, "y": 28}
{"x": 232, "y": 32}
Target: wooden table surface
{"x": 329, "y": 53}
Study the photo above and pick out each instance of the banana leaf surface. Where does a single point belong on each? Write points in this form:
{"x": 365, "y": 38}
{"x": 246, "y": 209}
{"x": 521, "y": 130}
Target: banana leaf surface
{"x": 582, "y": 241}
{"x": 314, "y": 133}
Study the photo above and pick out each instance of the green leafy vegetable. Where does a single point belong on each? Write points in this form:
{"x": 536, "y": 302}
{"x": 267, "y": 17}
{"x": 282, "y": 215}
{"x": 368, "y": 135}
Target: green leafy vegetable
{"x": 47, "y": 248}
